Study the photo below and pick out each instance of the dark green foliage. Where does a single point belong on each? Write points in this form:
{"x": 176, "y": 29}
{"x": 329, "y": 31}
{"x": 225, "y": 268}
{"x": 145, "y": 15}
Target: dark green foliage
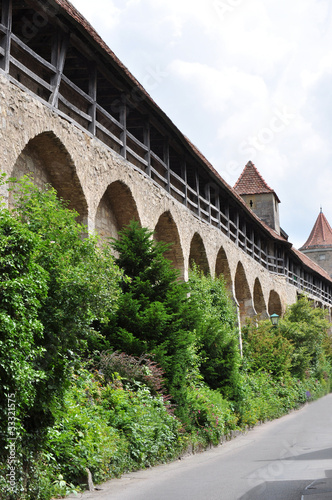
{"x": 142, "y": 370}
{"x": 22, "y": 289}
{"x": 153, "y": 315}
{"x": 266, "y": 349}
{"x": 54, "y": 283}
{"x": 115, "y": 429}
{"x": 217, "y": 333}
{"x": 306, "y": 328}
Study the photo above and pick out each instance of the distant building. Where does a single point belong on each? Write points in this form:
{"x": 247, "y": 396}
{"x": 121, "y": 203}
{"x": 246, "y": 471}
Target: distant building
{"x": 318, "y": 246}
{"x": 258, "y": 196}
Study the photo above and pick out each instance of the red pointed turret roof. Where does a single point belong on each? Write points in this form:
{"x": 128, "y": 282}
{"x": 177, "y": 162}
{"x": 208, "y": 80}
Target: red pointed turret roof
{"x": 321, "y": 234}
{"x": 251, "y": 182}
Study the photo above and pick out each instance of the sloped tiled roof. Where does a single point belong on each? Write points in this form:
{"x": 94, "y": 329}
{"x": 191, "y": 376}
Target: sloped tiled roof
{"x": 311, "y": 264}
{"x": 75, "y": 15}
{"x": 255, "y": 180}
{"x": 321, "y": 234}
{"x": 251, "y": 182}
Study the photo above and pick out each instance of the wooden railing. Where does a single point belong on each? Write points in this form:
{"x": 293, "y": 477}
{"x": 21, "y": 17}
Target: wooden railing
{"x": 48, "y": 83}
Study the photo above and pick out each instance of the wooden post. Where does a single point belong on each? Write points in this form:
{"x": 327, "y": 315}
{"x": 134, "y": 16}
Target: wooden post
{"x": 147, "y": 143}
{"x": 123, "y": 121}
{"x": 208, "y": 198}
{"x": 6, "y": 20}
{"x": 93, "y": 95}
{"x": 218, "y": 208}
{"x": 184, "y": 177}
{"x": 198, "y": 195}
{"x": 59, "y": 51}
{"x": 166, "y": 161}
{"x": 237, "y": 228}
{"x": 227, "y": 218}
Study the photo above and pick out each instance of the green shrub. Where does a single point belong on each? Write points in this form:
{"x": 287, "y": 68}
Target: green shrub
{"x": 109, "y": 430}
{"x": 82, "y": 436}
{"x": 217, "y": 333}
{"x": 151, "y": 432}
{"x": 266, "y": 349}
{"x": 132, "y": 370}
{"x": 153, "y": 315}
{"x": 211, "y": 415}
{"x": 306, "y": 328}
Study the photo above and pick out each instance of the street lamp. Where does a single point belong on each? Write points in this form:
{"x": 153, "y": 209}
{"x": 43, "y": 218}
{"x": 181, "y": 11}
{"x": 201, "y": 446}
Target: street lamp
{"x": 274, "y": 319}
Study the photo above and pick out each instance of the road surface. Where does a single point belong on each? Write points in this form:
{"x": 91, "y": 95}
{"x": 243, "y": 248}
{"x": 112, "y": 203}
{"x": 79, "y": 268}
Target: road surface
{"x": 287, "y": 459}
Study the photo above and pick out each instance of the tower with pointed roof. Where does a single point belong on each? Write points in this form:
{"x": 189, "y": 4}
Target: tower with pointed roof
{"x": 318, "y": 246}
{"x": 259, "y": 197}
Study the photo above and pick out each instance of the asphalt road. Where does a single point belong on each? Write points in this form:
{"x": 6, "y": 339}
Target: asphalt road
{"x": 287, "y": 459}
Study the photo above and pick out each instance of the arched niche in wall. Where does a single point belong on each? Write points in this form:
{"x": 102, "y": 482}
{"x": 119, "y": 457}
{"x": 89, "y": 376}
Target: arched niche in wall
{"x": 274, "y": 303}
{"x": 115, "y": 210}
{"x": 167, "y": 231}
{"x": 222, "y": 268}
{"x": 243, "y": 295}
{"x": 46, "y": 160}
{"x": 198, "y": 254}
{"x": 259, "y": 301}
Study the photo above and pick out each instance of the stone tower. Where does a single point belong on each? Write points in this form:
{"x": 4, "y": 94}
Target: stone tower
{"x": 318, "y": 246}
{"x": 259, "y": 197}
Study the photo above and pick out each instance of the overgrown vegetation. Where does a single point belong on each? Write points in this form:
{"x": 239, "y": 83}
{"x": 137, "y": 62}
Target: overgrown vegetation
{"x": 112, "y": 365}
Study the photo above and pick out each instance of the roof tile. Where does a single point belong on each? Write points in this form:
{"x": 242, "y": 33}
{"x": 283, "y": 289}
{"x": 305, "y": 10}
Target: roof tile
{"x": 321, "y": 234}
{"x": 251, "y": 182}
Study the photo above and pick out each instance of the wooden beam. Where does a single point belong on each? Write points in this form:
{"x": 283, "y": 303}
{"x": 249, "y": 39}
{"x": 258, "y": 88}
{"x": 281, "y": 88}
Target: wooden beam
{"x": 6, "y": 20}
{"x": 184, "y": 175}
{"x": 227, "y": 218}
{"x": 237, "y": 227}
{"x": 208, "y": 197}
{"x": 93, "y": 94}
{"x": 59, "y": 51}
{"x": 148, "y": 145}
{"x": 197, "y": 192}
{"x": 166, "y": 161}
{"x": 123, "y": 121}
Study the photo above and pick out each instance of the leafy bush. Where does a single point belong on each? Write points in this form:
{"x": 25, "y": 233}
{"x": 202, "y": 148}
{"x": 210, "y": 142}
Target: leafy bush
{"x": 109, "y": 430}
{"x": 151, "y": 432}
{"x": 212, "y": 416}
{"x": 306, "y": 328}
{"x": 132, "y": 370}
{"x": 266, "y": 349}
{"x": 217, "y": 332}
{"x": 153, "y": 315}
{"x": 82, "y": 436}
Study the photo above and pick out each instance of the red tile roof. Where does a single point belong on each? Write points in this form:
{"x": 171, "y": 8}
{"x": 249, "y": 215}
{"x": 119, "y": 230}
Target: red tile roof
{"x": 251, "y": 182}
{"x": 321, "y": 234}
{"x": 260, "y": 185}
{"x": 311, "y": 264}
{"x": 89, "y": 30}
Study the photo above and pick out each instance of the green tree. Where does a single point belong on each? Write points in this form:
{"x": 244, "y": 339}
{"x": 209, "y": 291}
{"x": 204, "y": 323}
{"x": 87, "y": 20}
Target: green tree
{"x": 306, "y": 327}
{"x": 23, "y": 286}
{"x": 154, "y": 315}
{"x": 266, "y": 349}
{"x": 80, "y": 285}
{"x": 217, "y": 333}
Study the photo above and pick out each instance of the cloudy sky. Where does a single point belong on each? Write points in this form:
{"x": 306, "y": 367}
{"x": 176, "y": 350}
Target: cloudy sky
{"x": 244, "y": 80}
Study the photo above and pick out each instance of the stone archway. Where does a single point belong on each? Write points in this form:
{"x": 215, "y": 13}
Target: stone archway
{"x": 222, "y": 268}
{"x": 198, "y": 254}
{"x": 46, "y": 160}
{"x": 243, "y": 295}
{"x": 167, "y": 231}
{"x": 115, "y": 210}
{"x": 274, "y": 303}
{"x": 259, "y": 301}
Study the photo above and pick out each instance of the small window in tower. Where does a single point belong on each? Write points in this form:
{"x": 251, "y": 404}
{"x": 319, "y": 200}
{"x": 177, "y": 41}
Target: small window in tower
{"x": 322, "y": 256}
{"x": 251, "y": 203}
